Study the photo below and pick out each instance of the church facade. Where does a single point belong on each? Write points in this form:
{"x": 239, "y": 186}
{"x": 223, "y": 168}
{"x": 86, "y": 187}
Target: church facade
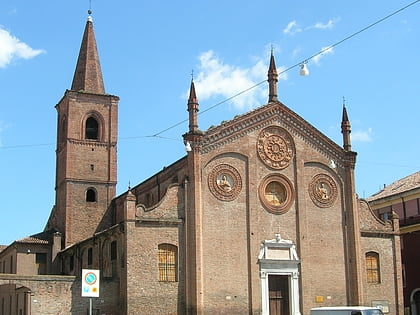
{"x": 260, "y": 217}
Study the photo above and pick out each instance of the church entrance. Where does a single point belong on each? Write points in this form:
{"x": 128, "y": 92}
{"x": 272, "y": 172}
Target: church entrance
{"x": 278, "y": 288}
{"x": 279, "y": 274}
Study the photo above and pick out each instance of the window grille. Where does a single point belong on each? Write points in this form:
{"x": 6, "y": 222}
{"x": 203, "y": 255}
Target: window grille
{"x": 372, "y": 268}
{"x": 167, "y": 257}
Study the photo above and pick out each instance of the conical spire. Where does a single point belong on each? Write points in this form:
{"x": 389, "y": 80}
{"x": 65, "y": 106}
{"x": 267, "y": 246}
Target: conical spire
{"x": 346, "y": 130}
{"x": 88, "y": 74}
{"x": 193, "y": 108}
{"x": 272, "y": 80}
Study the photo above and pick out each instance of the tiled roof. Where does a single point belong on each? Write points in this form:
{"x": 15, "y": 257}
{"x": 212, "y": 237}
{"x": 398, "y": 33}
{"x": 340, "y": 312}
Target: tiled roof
{"x": 32, "y": 240}
{"x": 402, "y": 185}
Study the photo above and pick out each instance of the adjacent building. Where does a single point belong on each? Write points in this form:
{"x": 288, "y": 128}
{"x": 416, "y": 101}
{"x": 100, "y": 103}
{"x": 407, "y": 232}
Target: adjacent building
{"x": 259, "y": 217}
{"x": 401, "y": 199}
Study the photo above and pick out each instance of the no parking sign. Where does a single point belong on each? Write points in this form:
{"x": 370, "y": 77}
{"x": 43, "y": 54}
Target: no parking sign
{"x": 90, "y": 283}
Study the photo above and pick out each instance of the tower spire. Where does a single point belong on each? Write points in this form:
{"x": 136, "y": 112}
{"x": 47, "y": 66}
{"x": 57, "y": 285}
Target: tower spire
{"x": 193, "y": 109}
{"x": 345, "y": 129}
{"x": 272, "y": 80}
{"x": 88, "y": 74}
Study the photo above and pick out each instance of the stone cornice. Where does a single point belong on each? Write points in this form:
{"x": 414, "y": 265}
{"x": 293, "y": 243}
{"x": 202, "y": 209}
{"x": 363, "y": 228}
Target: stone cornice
{"x": 92, "y": 182}
{"x": 91, "y": 143}
{"x": 53, "y": 278}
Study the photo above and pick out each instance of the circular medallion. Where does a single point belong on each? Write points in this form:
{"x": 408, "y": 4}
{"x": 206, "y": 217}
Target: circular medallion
{"x": 275, "y": 147}
{"x": 276, "y": 193}
{"x": 323, "y": 190}
{"x": 225, "y": 182}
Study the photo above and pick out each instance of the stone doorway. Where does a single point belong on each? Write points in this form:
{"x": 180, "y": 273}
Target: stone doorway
{"x": 279, "y": 274}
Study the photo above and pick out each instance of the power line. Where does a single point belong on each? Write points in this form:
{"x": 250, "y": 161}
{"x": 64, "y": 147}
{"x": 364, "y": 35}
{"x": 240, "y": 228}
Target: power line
{"x": 157, "y": 135}
{"x": 295, "y": 65}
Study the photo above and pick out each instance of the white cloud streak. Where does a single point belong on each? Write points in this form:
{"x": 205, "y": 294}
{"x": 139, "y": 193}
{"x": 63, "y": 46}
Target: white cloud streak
{"x": 325, "y": 51}
{"x": 292, "y": 28}
{"x": 216, "y": 78}
{"x": 11, "y": 48}
{"x": 324, "y": 26}
{"x": 362, "y": 135}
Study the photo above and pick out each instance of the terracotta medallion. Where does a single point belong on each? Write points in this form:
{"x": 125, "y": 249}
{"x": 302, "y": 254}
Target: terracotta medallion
{"x": 275, "y": 147}
{"x": 323, "y": 190}
{"x": 225, "y": 182}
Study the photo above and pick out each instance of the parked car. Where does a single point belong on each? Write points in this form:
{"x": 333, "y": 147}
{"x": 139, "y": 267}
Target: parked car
{"x": 346, "y": 310}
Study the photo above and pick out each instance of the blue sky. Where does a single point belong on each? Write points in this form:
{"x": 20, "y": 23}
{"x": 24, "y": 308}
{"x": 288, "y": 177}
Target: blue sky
{"x": 148, "y": 50}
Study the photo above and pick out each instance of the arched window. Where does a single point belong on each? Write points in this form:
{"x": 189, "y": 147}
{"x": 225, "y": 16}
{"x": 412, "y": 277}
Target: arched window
{"x": 92, "y": 129}
{"x": 90, "y": 195}
{"x": 168, "y": 265}
{"x": 373, "y": 274}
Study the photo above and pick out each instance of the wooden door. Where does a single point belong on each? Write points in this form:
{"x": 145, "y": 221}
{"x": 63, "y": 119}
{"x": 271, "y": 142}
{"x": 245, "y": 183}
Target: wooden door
{"x": 278, "y": 288}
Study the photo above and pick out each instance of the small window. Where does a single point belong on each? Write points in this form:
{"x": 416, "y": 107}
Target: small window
{"x": 167, "y": 257}
{"x": 71, "y": 263}
{"x": 63, "y": 133}
{"x": 92, "y": 129}
{"x": 113, "y": 250}
{"x": 90, "y": 257}
{"x": 372, "y": 268}
{"x": 41, "y": 263}
{"x": 90, "y": 195}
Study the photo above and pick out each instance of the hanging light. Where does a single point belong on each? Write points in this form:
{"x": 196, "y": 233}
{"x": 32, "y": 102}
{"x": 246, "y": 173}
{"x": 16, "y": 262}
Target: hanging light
{"x": 304, "y": 71}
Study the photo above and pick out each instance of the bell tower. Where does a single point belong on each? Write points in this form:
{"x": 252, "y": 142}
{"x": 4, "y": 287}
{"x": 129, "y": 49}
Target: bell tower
{"x": 86, "y": 152}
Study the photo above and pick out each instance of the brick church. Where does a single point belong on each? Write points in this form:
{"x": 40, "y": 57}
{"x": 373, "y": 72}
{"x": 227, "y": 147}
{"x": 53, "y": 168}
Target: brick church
{"x": 259, "y": 217}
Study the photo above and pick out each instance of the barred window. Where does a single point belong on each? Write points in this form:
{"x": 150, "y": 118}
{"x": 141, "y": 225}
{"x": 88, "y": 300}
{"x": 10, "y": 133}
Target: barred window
{"x": 373, "y": 268}
{"x": 167, "y": 257}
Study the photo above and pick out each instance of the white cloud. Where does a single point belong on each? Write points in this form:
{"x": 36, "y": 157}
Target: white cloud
{"x": 296, "y": 52}
{"x": 216, "y": 78}
{"x": 323, "y": 26}
{"x": 292, "y": 28}
{"x": 12, "y": 48}
{"x": 362, "y": 135}
{"x": 324, "y": 51}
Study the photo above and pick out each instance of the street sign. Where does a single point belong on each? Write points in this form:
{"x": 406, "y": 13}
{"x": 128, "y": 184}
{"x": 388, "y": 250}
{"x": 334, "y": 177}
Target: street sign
{"x": 90, "y": 282}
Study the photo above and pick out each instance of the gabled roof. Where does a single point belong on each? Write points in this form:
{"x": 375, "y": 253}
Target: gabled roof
{"x": 263, "y": 116}
{"x": 400, "y": 186}
{"x": 42, "y": 238}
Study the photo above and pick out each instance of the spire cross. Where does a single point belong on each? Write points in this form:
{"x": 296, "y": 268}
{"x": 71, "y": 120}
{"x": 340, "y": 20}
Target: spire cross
{"x": 192, "y": 74}
{"x": 344, "y": 101}
{"x": 90, "y": 7}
